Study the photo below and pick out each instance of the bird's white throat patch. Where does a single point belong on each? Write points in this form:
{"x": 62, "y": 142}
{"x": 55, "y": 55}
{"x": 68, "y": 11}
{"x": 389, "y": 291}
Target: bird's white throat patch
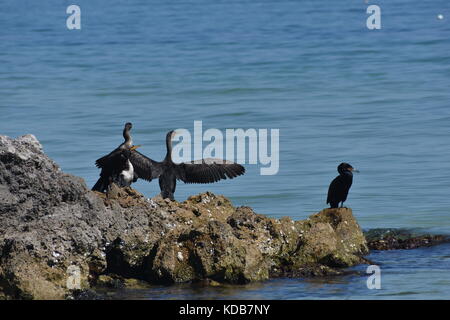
{"x": 128, "y": 174}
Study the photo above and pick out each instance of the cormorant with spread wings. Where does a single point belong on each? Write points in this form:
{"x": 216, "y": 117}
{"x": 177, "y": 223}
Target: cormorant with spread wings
{"x": 199, "y": 171}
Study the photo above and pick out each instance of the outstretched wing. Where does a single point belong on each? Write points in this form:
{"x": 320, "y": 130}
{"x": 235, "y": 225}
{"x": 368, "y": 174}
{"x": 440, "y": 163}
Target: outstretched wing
{"x": 109, "y": 165}
{"x": 145, "y": 167}
{"x": 207, "y": 170}
{"x": 108, "y": 160}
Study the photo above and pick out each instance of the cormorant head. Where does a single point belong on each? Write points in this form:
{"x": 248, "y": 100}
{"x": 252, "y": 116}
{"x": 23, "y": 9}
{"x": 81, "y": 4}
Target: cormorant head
{"x": 344, "y": 168}
{"x": 171, "y": 134}
{"x": 128, "y": 126}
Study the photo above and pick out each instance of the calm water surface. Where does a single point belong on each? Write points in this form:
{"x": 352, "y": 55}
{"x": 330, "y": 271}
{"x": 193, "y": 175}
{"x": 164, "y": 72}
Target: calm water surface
{"x": 337, "y": 91}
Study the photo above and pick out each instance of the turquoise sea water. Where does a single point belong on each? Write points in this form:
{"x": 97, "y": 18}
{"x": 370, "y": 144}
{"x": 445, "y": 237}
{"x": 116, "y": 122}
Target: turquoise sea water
{"x": 337, "y": 91}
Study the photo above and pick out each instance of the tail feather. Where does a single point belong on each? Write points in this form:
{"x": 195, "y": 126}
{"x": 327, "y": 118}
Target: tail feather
{"x": 100, "y": 185}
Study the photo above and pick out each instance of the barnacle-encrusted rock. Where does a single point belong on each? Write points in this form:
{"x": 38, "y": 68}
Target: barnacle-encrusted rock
{"x": 394, "y": 239}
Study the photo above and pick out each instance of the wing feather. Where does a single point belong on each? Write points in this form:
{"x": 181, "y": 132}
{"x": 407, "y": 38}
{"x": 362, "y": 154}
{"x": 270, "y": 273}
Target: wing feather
{"x": 145, "y": 167}
{"x": 208, "y": 170}
{"x": 108, "y": 159}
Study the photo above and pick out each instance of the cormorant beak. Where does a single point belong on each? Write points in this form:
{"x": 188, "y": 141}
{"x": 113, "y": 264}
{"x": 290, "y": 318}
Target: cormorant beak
{"x": 354, "y": 170}
{"x": 135, "y": 147}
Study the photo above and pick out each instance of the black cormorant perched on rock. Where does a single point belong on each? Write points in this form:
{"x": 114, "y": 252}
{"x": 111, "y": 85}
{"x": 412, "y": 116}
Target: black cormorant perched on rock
{"x": 339, "y": 187}
{"x": 116, "y": 166}
{"x": 199, "y": 171}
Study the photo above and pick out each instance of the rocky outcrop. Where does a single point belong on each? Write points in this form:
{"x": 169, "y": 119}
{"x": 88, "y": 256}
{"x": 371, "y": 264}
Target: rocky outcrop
{"x": 56, "y": 235}
{"x": 394, "y": 239}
